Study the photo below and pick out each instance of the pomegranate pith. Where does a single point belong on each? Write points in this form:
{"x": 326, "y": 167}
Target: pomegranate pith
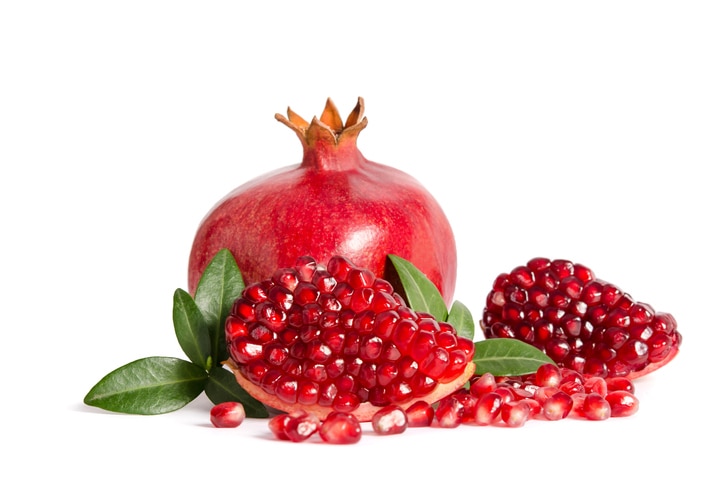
{"x": 581, "y": 322}
{"x": 336, "y": 338}
{"x": 336, "y": 202}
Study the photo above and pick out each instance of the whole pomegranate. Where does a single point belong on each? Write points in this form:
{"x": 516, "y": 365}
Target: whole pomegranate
{"x": 336, "y": 202}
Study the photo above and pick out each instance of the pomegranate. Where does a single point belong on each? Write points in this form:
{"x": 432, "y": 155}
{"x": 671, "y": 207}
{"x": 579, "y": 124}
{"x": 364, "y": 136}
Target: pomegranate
{"x": 580, "y": 322}
{"x": 336, "y": 202}
{"x": 323, "y": 339}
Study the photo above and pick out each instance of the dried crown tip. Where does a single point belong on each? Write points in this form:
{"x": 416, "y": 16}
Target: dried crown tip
{"x": 330, "y": 124}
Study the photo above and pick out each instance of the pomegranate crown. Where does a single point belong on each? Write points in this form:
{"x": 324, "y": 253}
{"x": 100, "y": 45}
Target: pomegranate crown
{"x": 330, "y": 127}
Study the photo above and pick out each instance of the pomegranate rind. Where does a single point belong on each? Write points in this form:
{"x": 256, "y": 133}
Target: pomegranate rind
{"x": 364, "y": 412}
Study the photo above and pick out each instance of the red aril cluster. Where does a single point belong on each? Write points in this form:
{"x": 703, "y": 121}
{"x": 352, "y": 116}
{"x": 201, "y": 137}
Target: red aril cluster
{"x": 550, "y": 394}
{"x": 580, "y": 322}
{"x": 337, "y": 338}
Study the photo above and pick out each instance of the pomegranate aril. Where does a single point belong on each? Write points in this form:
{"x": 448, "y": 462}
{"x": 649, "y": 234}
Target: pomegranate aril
{"x": 515, "y": 414}
{"x": 597, "y": 385}
{"x": 622, "y": 403}
{"x": 484, "y": 384}
{"x": 340, "y": 428}
{"x": 557, "y": 406}
{"x": 420, "y": 414}
{"x": 548, "y": 375}
{"x": 300, "y": 426}
{"x": 620, "y": 384}
{"x": 449, "y": 413}
{"x": 227, "y": 414}
{"x": 487, "y": 408}
{"x": 277, "y": 424}
{"x": 542, "y": 394}
{"x": 535, "y": 408}
{"x": 506, "y": 392}
{"x": 595, "y": 407}
{"x": 346, "y": 402}
{"x": 469, "y": 402}
{"x": 389, "y": 420}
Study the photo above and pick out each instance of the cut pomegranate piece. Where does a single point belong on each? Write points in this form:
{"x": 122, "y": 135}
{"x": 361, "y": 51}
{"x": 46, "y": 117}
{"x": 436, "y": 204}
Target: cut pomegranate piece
{"x": 582, "y": 323}
{"x": 355, "y": 349}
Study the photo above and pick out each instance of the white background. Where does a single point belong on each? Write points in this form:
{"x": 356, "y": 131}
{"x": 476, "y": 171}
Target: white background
{"x": 593, "y": 131}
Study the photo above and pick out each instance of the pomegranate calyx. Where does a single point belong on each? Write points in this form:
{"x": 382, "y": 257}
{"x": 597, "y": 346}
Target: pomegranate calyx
{"x": 329, "y": 128}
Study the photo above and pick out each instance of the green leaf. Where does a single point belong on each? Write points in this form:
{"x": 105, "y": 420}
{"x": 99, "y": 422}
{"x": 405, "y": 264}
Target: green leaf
{"x": 220, "y": 284}
{"x": 460, "y": 317}
{"x": 191, "y": 330}
{"x": 152, "y": 385}
{"x": 507, "y": 357}
{"x": 421, "y": 294}
{"x": 222, "y": 387}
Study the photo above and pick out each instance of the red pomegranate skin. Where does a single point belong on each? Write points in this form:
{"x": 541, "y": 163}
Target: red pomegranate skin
{"x": 336, "y": 202}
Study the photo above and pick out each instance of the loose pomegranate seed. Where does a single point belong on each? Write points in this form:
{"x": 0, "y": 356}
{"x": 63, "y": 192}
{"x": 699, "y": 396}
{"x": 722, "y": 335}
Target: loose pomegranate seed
{"x": 487, "y": 409}
{"x": 548, "y": 375}
{"x": 420, "y": 414}
{"x": 622, "y": 403}
{"x": 296, "y": 426}
{"x": 469, "y": 402}
{"x": 340, "y": 428}
{"x": 515, "y": 414}
{"x": 595, "y": 407}
{"x": 227, "y": 414}
{"x": 535, "y": 408}
{"x": 449, "y": 413}
{"x": 277, "y": 426}
{"x": 557, "y": 406}
{"x": 597, "y": 385}
{"x": 544, "y": 393}
{"x": 620, "y": 384}
{"x": 484, "y": 384}
{"x": 389, "y": 420}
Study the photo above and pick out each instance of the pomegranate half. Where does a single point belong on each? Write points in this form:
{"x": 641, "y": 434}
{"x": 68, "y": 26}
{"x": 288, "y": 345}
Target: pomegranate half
{"x": 336, "y": 202}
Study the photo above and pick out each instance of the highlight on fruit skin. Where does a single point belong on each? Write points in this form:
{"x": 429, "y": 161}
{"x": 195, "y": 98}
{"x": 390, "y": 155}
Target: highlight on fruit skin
{"x": 333, "y": 202}
{"x": 581, "y": 322}
{"x": 336, "y": 338}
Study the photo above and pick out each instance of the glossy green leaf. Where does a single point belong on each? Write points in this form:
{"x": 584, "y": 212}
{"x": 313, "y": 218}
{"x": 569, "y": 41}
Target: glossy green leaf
{"x": 191, "y": 330}
{"x": 221, "y": 283}
{"x": 420, "y": 293}
{"x": 152, "y": 385}
{"x": 223, "y": 387}
{"x": 460, "y": 317}
{"x": 507, "y": 357}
